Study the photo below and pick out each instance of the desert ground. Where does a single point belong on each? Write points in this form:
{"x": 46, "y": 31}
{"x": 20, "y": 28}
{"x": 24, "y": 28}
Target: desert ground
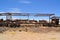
{"x": 28, "y": 35}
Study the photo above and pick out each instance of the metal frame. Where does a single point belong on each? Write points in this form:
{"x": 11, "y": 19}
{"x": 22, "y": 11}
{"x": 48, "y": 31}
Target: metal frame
{"x": 45, "y": 15}
{"x": 25, "y": 14}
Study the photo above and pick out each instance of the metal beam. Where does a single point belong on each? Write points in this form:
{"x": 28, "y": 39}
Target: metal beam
{"x": 44, "y": 14}
{"x": 14, "y": 14}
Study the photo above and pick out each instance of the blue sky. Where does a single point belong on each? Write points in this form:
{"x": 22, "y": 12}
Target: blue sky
{"x": 31, "y": 6}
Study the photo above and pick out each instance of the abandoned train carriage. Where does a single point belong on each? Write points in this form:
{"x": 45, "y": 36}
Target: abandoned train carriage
{"x": 18, "y": 23}
{"x": 9, "y": 23}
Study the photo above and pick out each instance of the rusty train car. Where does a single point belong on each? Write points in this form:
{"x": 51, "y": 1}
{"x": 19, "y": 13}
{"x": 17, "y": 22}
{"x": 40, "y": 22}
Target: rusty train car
{"x": 9, "y": 23}
{"x": 18, "y": 23}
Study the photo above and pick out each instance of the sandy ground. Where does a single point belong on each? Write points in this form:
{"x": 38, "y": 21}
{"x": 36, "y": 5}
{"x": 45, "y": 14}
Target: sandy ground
{"x": 11, "y": 35}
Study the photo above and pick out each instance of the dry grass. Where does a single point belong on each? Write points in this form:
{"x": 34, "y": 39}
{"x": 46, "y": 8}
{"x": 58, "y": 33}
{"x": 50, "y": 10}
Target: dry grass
{"x": 30, "y": 33}
{"x": 11, "y": 35}
{"x": 31, "y": 29}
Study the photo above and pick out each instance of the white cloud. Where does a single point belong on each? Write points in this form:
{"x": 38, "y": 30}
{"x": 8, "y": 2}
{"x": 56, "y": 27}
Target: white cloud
{"x": 25, "y": 2}
{"x": 14, "y": 10}
{"x": 11, "y": 10}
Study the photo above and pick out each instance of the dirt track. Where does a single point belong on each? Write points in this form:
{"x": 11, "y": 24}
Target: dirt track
{"x": 29, "y": 36}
